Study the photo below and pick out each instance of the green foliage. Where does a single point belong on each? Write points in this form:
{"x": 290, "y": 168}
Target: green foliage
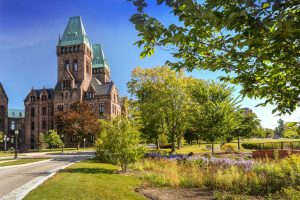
{"x": 52, "y": 139}
{"x": 118, "y": 142}
{"x": 291, "y": 130}
{"x": 254, "y": 42}
{"x": 248, "y": 127}
{"x": 214, "y": 111}
{"x": 288, "y": 193}
{"x": 1, "y": 136}
{"x": 229, "y": 148}
{"x": 264, "y": 179}
{"x": 162, "y": 103}
{"x": 279, "y": 129}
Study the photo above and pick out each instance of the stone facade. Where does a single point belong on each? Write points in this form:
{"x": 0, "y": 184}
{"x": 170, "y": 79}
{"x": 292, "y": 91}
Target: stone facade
{"x": 3, "y": 111}
{"x": 83, "y": 74}
{"x": 10, "y": 118}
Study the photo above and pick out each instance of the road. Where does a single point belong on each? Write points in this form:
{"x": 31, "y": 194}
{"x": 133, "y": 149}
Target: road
{"x": 14, "y": 177}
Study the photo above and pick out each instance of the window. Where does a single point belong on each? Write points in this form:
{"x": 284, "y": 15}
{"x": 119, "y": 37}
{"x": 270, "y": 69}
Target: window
{"x": 51, "y": 111}
{"x": 62, "y": 95}
{"x": 67, "y": 65}
{"x": 73, "y": 138}
{"x": 32, "y": 98}
{"x": 1, "y": 124}
{"x": 32, "y": 112}
{"x": 90, "y": 95}
{"x": 44, "y": 125}
{"x": 92, "y": 138}
{"x": 101, "y": 108}
{"x": 44, "y": 97}
{"x": 52, "y": 125}
{"x": 67, "y": 84}
{"x": 2, "y": 110}
{"x": 13, "y": 114}
{"x": 20, "y": 114}
{"x": 66, "y": 95}
{"x": 75, "y": 65}
{"x": 32, "y": 125}
{"x": 60, "y": 107}
{"x": 44, "y": 111}
{"x": 63, "y": 50}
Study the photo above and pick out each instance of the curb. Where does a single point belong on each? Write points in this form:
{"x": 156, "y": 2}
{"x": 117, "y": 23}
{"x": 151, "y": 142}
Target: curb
{"x": 21, "y": 192}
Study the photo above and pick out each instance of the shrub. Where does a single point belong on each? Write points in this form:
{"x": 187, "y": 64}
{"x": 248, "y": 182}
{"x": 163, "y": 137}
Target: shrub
{"x": 238, "y": 177}
{"x": 229, "y": 148}
{"x": 289, "y": 193}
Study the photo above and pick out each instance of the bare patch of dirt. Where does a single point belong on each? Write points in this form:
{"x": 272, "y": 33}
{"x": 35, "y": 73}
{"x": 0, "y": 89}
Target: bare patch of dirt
{"x": 175, "y": 194}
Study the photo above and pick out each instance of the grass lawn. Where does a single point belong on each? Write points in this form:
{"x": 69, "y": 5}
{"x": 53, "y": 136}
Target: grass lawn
{"x": 21, "y": 161}
{"x": 88, "y": 180}
{"x": 201, "y": 148}
{"x": 6, "y": 154}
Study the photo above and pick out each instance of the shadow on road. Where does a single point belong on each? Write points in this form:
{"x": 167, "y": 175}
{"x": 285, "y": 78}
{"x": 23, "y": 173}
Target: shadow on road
{"x": 89, "y": 171}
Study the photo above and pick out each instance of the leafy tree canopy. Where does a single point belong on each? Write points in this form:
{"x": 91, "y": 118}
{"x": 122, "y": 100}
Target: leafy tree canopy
{"x": 118, "y": 142}
{"x": 79, "y": 122}
{"x": 255, "y": 42}
{"x": 52, "y": 139}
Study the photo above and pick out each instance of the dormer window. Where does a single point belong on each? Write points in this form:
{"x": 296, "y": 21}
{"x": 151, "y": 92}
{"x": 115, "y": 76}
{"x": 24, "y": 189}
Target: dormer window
{"x": 44, "y": 97}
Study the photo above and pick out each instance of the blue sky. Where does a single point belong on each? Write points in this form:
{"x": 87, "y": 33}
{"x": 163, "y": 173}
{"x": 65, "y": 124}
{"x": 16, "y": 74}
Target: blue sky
{"x": 29, "y": 32}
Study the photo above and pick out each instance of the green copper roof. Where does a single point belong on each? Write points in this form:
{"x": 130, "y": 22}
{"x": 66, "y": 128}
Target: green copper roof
{"x": 99, "y": 59}
{"x": 16, "y": 113}
{"x": 74, "y": 33}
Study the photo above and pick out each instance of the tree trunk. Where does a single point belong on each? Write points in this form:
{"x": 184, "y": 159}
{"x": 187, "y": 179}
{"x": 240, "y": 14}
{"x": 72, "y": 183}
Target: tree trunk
{"x": 78, "y": 145}
{"x": 178, "y": 143}
{"x": 239, "y": 143}
{"x": 157, "y": 143}
{"x": 173, "y": 142}
{"x": 212, "y": 149}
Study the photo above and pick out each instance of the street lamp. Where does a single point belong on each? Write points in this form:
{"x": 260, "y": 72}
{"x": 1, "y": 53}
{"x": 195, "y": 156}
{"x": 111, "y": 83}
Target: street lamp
{"x": 5, "y": 141}
{"x": 16, "y": 143}
{"x": 84, "y": 139}
{"x": 13, "y": 128}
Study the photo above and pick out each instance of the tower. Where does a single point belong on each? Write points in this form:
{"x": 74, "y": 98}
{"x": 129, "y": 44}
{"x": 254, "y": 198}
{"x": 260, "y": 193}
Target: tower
{"x": 74, "y": 54}
{"x": 100, "y": 66}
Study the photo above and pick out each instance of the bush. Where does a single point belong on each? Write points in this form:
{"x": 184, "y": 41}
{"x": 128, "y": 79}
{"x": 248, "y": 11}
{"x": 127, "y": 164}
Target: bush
{"x": 264, "y": 178}
{"x": 229, "y": 148}
{"x": 289, "y": 193}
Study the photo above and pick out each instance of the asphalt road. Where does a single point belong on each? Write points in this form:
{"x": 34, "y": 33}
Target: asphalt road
{"x": 14, "y": 177}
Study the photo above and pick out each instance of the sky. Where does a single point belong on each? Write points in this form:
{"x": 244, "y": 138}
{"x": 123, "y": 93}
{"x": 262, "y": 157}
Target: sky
{"x": 29, "y": 32}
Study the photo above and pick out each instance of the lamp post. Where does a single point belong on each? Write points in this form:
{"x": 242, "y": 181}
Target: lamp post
{"x": 16, "y": 143}
{"x": 5, "y": 140}
{"x": 63, "y": 142}
{"x": 84, "y": 139}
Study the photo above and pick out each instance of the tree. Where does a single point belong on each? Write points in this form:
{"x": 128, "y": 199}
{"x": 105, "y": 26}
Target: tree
{"x": 279, "y": 129}
{"x": 118, "y": 142}
{"x": 255, "y": 42}
{"x": 79, "y": 122}
{"x": 52, "y": 139}
{"x": 248, "y": 125}
{"x": 215, "y": 113}
{"x": 162, "y": 102}
{"x": 1, "y": 136}
{"x": 291, "y": 130}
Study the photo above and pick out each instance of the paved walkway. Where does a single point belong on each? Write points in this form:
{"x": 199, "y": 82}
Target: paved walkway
{"x": 17, "y": 181}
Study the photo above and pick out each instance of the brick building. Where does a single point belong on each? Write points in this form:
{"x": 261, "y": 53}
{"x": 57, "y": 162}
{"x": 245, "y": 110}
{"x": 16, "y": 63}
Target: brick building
{"x": 83, "y": 74}
{"x": 10, "y": 118}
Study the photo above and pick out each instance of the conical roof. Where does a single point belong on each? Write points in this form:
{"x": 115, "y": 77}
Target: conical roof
{"x": 74, "y": 33}
{"x": 99, "y": 59}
